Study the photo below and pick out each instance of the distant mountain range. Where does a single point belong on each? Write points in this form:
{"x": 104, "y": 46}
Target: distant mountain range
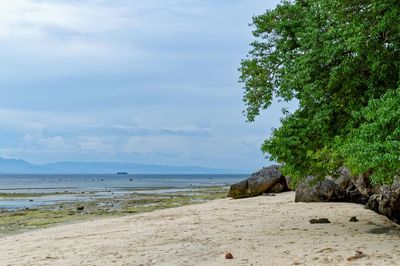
{"x": 14, "y": 166}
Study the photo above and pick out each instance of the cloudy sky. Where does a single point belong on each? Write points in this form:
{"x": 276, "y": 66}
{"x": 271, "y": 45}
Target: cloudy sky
{"x": 148, "y": 81}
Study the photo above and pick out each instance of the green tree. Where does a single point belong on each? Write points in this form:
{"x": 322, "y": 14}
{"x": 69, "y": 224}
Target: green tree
{"x": 375, "y": 145}
{"x": 333, "y": 56}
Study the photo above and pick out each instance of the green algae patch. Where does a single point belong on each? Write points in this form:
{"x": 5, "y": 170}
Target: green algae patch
{"x": 151, "y": 202}
{"x": 28, "y": 195}
{"x": 12, "y": 222}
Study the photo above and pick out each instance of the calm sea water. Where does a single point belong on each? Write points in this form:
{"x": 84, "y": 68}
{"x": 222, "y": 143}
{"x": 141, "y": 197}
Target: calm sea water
{"x": 79, "y": 183}
{"x": 100, "y": 186}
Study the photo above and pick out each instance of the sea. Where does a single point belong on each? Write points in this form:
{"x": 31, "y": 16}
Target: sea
{"x": 57, "y": 188}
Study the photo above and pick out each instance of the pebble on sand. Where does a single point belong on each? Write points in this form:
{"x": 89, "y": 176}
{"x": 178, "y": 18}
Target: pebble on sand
{"x": 228, "y": 256}
{"x": 353, "y": 219}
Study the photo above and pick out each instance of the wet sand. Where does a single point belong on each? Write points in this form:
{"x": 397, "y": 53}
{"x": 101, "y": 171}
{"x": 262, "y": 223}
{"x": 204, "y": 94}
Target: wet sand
{"x": 258, "y": 231}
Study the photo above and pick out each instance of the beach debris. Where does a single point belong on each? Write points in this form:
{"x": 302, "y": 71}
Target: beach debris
{"x": 320, "y": 221}
{"x": 228, "y": 256}
{"x": 327, "y": 250}
{"x": 80, "y": 208}
{"x": 359, "y": 255}
{"x": 353, "y": 219}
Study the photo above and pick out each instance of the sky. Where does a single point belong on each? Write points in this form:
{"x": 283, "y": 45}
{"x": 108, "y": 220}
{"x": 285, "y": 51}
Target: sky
{"x": 146, "y": 81}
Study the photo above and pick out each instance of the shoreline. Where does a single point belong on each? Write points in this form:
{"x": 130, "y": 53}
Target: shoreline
{"x": 86, "y": 206}
{"x": 260, "y": 231}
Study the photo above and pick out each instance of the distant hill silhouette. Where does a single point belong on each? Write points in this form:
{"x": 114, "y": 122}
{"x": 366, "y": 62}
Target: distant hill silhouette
{"x": 14, "y": 166}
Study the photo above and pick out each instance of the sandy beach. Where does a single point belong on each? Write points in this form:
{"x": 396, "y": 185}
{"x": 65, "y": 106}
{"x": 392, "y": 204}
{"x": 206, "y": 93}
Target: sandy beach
{"x": 266, "y": 230}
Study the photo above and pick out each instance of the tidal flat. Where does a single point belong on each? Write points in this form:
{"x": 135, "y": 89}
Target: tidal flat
{"x": 90, "y": 205}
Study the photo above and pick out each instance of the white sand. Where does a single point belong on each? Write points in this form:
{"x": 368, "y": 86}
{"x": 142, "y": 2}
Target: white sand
{"x": 257, "y": 231}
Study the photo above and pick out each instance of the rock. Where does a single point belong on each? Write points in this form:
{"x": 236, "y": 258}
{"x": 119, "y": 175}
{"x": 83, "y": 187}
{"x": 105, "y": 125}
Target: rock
{"x": 289, "y": 182}
{"x": 387, "y": 202}
{"x": 320, "y": 221}
{"x": 340, "y": 189}
{"x": 353, "y": 219}
{"x": 278, "y": 188}
{"x": 322, "y": 191}
{"x": 260, "y": 182}
{"x": 364, "y": 186}
{"x": 228, "y": 256}
{"x": 384, "y": 200}
{"x": 353, "y": 189}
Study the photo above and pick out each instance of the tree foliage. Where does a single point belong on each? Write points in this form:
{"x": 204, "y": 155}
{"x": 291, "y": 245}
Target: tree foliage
{"x": 375, "y": 145}
{"x": 334, "y": 57}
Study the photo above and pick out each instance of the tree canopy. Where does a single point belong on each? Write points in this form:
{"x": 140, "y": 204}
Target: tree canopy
{"x": 341, "y": 61}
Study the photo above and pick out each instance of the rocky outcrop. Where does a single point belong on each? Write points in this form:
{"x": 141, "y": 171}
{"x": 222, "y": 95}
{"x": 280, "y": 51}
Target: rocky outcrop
{"x": 322, "y": 191}
{"x": 341, "y": 189}
{"x": 268, "y": 179}
{"x": 363, "y": 185}
{"x": 384, "y": 200}
{"x": 387, "y": 202}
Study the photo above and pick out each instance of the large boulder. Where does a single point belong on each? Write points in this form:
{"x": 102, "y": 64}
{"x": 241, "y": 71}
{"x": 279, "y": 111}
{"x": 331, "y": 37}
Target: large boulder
{"x": 268, "y": 178}
{"x": 322, "y": 191}
{"x": 387, "y": 202}
{"x": 340, "y": 189}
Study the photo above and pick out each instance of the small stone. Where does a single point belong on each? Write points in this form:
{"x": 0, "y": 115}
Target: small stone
{"x": 320, "y": 221}
{"x": 353, "y": 219}
{"x": 228, "y": 256}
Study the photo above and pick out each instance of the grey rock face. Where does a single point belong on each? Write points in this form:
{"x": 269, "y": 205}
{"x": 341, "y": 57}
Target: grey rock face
{"x": 341, "y": 189}
{"x": 387, "y": 202}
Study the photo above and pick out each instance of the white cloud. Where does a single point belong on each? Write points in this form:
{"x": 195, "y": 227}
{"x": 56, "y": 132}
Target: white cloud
{"x": 54, "y": 143}
{"x": 87, "y": 17}
{"x": 154, "y": 144}
{"x": 143, "y": 80}
{"x": 61, "y": 26}
{"x": 96, "y": 144}
{"x": 46, "y": 132}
